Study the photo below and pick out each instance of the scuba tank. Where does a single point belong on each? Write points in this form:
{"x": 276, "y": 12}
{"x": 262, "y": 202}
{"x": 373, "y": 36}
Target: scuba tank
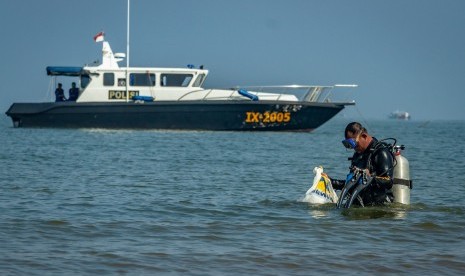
{"x": 402, "y": 184}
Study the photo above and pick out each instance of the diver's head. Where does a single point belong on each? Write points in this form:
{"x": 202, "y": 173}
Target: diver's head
{"x": 356, "y": 137}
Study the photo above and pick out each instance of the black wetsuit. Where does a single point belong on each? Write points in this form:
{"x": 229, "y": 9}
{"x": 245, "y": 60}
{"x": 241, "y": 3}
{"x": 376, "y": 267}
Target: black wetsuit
{"x": 378, "y": 159}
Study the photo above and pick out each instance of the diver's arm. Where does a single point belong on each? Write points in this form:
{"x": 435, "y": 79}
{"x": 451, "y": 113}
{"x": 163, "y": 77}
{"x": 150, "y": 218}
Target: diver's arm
{"x": 384, "y": 165}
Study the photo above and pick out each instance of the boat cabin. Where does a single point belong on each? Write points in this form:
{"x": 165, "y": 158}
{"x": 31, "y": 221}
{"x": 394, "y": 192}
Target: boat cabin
{"x": 107, "y": 81}
{"x": 100, "y": 85}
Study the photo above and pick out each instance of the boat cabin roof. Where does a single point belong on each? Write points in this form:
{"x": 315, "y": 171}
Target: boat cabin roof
{"x": 73, "y": 71}
{"x": 110, "y": 64}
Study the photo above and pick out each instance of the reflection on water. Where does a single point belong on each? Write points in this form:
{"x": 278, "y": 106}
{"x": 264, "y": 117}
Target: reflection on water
{"x": 375, "y": 212}
{"x": 319, "y": 211}
{"x": 393, "y": 211}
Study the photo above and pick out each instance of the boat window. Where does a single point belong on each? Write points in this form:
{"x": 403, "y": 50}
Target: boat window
{"x": 108, "y": 79}
{"x": 176, "y": 79}
{"x": 142, "y": 79}
{"x": 198, "y": 82}
{"x": 85, "y": 80}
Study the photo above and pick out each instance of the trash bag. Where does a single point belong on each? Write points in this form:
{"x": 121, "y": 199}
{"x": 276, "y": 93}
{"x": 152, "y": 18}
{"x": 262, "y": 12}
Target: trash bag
{"x": 321, "y": 191}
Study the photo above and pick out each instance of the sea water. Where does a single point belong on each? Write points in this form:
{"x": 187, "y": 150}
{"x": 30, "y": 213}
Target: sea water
{"x": 93, "y": 201}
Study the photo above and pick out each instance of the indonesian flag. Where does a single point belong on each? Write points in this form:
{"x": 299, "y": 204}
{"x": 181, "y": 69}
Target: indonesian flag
{"x": 99, "y": 37}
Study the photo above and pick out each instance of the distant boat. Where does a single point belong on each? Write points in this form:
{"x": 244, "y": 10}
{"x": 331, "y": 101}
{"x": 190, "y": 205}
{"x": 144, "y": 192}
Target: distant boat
{"x": 400, "y": 115}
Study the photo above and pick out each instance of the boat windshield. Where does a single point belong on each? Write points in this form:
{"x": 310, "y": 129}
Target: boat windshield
{"x": 198, "y": 82}
{"x": 85, "y": 80}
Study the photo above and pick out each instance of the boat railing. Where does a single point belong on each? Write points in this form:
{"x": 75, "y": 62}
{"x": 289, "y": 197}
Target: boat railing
{"x": 306, "y": 93}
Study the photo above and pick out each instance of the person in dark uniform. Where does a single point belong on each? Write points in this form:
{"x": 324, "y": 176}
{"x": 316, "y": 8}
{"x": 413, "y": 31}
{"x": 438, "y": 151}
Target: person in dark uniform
{"x": 73, "y": 92}
{"x": 59, "y": 94}
{"x": 375, "y": 159}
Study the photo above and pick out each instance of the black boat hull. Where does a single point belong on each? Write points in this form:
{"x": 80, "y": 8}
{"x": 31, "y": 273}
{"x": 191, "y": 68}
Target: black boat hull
{"x": 187, "y": 115}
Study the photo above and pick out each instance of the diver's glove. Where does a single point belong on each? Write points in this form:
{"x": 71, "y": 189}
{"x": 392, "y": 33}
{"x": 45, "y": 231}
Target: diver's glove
{"x": 337, "y": 183}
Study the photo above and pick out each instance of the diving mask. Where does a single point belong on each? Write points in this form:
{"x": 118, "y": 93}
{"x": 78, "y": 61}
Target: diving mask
{"x": 349, "y": 143}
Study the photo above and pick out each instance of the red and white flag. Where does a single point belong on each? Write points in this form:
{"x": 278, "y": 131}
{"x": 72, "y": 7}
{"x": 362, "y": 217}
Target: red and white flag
{"x": 99, "y": 37}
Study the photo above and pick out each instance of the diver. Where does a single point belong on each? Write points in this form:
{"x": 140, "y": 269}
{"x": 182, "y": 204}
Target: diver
{"x": 374, "y": 161}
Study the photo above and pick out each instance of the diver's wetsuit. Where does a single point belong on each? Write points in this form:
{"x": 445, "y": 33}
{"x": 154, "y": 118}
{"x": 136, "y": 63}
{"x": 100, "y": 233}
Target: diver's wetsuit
{"x": 378, "y": 159}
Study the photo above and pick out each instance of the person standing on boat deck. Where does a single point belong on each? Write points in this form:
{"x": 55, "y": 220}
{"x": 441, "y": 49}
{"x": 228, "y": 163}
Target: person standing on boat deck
{"x": 375, "y": 159}
{"x": 59, "y": 94}
{"x": 73, "y": 92}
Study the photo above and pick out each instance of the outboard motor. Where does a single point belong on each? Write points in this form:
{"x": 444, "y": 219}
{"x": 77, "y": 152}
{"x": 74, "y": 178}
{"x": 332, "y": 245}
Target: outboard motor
{"x": 402, "y": 184}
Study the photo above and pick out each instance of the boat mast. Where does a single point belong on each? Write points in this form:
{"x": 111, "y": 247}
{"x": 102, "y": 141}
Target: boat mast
{"x": 127, "y": 55}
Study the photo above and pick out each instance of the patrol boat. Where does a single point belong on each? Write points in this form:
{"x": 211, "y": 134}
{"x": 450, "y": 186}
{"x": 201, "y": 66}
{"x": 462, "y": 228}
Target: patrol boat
{"x": 173, "y": 98}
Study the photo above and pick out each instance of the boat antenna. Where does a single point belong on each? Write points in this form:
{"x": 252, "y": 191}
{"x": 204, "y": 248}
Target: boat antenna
{"x": 127, "y": 55}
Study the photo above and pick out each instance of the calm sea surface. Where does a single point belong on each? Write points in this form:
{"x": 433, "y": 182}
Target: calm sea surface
{"x": 92, "y": 201}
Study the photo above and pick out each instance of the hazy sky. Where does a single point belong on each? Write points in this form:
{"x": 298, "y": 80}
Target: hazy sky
{"x": 403, "y": 54}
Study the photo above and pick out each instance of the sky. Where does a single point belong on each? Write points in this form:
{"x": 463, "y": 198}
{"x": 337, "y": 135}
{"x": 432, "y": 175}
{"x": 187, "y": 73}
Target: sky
{"x": 404, "y": 54}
